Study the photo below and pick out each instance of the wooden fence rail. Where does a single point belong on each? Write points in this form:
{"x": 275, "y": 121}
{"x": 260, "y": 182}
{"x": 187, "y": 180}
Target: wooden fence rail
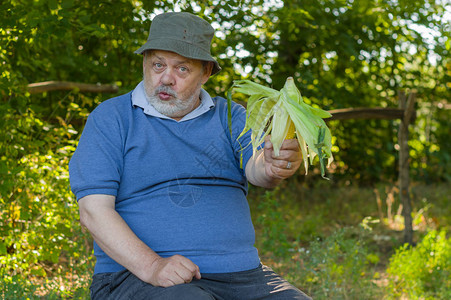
{"x": 48, "y": 86}
{"x": 368, "y": 113}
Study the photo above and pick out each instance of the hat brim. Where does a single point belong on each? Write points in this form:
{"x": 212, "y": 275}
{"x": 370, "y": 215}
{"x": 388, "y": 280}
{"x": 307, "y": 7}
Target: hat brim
{"x": 181, "y": 48}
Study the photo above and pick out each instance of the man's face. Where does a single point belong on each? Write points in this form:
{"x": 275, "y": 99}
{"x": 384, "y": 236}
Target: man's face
{"x": 172, "y": 82}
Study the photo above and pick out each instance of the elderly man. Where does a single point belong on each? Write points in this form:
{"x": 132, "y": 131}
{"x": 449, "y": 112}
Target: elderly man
{"x": 160, "y": 186}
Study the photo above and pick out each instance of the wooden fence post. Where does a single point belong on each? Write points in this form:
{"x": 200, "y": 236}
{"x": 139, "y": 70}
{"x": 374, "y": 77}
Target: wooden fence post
{"x": 403, "y": 137}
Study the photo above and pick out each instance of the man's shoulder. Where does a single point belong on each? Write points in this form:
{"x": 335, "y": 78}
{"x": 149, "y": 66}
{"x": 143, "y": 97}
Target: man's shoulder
{"x": 118, "y": 106}
{"x": 118, "y": 102}
{"x": 221, "y": 103}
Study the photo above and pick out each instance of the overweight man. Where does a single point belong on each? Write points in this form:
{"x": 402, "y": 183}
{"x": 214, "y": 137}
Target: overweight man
{"x": 162, "y": 185}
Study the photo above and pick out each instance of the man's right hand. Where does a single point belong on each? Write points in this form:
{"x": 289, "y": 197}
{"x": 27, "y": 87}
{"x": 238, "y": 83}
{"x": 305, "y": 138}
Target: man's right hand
{"x": 172, "y": 270}
{"x": 114, "y": 236}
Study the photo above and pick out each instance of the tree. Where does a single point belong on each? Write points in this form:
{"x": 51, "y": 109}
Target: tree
{"x": 342, "y": 53}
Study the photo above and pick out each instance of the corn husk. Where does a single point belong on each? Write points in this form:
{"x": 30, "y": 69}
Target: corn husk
{"x": 270, "y": 112}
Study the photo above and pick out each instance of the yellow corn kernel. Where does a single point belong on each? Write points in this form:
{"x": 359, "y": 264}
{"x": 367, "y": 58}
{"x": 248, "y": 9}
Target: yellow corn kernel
{"x": 291, "y": 131}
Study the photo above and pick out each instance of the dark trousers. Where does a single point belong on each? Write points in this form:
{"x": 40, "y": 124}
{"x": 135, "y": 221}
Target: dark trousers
{"x": 259, "y": 283}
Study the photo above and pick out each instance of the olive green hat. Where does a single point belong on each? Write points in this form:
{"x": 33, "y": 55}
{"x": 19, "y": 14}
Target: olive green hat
{"x": 183, "y": 33}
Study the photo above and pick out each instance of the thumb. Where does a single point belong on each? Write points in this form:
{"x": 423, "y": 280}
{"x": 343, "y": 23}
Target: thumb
{"x": 268, "y": 152}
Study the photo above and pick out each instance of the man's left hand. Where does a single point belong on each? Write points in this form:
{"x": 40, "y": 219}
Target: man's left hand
{"x": 288, "y": 161}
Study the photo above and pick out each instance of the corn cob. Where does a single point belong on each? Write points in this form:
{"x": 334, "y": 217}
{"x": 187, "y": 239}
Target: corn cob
{"x": 275, "y": 113}
{"x": 291, "y": 131}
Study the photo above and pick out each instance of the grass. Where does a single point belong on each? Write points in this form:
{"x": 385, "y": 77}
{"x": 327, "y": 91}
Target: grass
{"x": 336, "y": 242}
{"x": 332, "y": 241}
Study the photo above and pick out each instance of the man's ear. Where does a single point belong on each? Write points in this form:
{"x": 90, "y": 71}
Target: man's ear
{"x": 208, "y": 68}
{"x": 144, "y": 61}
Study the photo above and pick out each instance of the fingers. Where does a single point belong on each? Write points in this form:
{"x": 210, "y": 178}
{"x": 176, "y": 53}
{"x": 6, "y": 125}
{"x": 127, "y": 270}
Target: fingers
{"x": 288, "y": 161}
{"x": 292, "y": 144}
{"x": 183, "y": 269}
{"x": 279, "y": 170}
{"x": 191, "y": 267}
{"x": 268, "y": 152}
{"x": 174, "y": 270}
{"x": 289, "y": 149}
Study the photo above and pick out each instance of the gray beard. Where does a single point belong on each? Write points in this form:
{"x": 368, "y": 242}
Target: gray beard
{"x": 172, "y": 108}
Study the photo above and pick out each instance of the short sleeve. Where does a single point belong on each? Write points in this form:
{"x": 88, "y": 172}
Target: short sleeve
{"x": 97, "y": 163}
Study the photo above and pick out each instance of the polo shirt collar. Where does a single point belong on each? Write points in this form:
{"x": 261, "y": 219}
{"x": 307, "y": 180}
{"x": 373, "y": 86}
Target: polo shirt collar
{"x": 139, "y": 99}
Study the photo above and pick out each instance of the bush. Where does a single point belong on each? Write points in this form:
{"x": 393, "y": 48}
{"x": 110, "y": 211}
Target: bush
{"x": 423, "y": 271}
{"x": 41, "y": 237}
{"x": 339, "y": 267}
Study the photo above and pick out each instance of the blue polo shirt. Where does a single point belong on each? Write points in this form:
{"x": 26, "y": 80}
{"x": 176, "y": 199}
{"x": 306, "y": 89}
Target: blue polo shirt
{"x": 178, "y": 184}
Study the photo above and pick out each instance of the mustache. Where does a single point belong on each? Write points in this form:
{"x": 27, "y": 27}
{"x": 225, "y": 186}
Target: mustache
{"x": 165, "y": 89}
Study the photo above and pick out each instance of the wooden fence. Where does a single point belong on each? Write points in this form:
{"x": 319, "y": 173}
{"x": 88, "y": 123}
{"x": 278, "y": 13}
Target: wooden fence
{"x": 406, "y": 113}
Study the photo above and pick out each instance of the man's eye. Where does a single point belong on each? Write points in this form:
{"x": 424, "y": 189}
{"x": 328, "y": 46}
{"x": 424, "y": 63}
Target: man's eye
{"x": 183, "y": 69}
{"x": 158, "y": 65}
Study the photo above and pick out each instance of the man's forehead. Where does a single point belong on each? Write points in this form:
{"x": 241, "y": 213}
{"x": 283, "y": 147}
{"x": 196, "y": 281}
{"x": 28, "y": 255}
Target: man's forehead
{"x": 172, "y": 56}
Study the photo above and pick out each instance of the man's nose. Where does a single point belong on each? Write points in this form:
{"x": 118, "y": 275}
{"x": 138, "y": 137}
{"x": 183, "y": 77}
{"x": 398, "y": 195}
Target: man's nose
{"x": 168, "y": 77}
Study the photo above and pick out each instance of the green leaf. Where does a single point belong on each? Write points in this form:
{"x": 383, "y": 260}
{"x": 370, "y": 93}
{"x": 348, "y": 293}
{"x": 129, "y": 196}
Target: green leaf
{"x": 3, "y": 250}
{"x": 66, "y": 4}
{"x": 53, "y": 4}
{"x": 319, "y": 112}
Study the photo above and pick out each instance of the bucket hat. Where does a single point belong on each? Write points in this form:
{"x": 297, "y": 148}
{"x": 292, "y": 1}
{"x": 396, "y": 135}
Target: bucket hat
{"x": 183, "y": 33}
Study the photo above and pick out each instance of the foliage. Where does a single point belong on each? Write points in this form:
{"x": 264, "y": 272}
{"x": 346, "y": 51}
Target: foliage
{"x": 339, "y": 267}
{"x": 40, "y": 232}
{"x": 350, "y": 54}
{"x": 424, "y": 271}
{"x": 437, "y": 197}
{"x": 341, "y": 53}
{"x": 272, "y": 224}
{"x": 15, "y": 287}
{"x": 312, "y": 235}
